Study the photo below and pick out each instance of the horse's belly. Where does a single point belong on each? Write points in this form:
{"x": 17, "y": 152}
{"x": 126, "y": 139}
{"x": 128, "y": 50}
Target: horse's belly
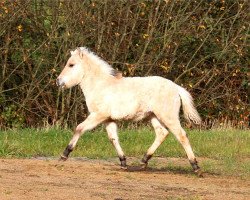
{"x": 134, "y": 117}
{"x": 140, "y": 115}
{"x": 130, "y": 113}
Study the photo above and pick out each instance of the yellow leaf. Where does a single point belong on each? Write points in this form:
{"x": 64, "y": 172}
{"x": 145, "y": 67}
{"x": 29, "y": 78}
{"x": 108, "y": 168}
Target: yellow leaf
{"x": 20, "y": 28}
{"x": 202, "y": 26}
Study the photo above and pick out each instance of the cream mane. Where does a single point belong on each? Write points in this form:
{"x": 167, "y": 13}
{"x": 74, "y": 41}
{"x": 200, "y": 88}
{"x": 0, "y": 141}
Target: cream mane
{"x": 102, "y": 65}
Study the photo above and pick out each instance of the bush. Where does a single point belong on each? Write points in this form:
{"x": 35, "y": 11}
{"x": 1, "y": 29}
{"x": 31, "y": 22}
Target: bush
{"x": 201, "y": 45}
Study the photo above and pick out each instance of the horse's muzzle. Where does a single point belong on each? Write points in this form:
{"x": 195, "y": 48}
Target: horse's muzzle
{"x": 60, "y": 82}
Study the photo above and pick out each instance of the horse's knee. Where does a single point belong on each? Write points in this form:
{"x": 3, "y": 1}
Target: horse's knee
{"x": 79, "y": 129}
{"x": 159, "y": 128}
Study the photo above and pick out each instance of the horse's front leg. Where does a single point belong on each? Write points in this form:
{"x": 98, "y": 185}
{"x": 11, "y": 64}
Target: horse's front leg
{"x": 111, "y": 128}
{"x": 93, "y": 120}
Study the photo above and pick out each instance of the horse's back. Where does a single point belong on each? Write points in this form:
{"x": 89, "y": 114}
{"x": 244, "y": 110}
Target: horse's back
{"x": 152, "y": 85}
{"x": 137, "y": 97}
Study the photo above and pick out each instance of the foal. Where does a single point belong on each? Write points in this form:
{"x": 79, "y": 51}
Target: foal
{"x": 111, "y": 97}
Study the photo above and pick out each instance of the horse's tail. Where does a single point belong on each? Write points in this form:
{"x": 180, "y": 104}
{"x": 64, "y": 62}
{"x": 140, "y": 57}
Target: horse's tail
{"x": 190, "y": 112}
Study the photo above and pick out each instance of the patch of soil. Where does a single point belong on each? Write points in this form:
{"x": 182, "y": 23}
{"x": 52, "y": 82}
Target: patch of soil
{"x": 98, "y": 179}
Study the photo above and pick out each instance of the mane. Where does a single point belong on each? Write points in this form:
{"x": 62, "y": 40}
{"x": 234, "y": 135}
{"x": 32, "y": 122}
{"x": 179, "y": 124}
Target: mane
{"x": 104, "y": 66}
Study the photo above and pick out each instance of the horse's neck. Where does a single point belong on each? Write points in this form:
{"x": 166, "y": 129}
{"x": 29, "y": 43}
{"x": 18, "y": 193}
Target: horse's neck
{"x": 93, "y": 82}
{"x": 94, "y": 77}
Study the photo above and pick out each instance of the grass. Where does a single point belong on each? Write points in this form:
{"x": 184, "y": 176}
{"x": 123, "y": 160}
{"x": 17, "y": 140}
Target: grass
{"x": 220, "y": 151}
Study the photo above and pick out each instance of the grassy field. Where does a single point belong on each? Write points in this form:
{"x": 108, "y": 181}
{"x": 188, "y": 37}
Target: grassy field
{"x": 225, "y": 152}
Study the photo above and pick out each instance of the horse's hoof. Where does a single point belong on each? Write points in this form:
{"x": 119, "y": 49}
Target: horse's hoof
{"x": 63, "y": 158}
{"x": 199, "y": 173}
{"x": 143, "y": 165}
{"x": 124, "y": 167}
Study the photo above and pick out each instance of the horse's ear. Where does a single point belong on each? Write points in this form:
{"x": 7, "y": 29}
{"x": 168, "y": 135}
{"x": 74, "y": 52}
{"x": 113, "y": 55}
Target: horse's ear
{"x": 80, "y": 52}
{"x": 71, "y": 52}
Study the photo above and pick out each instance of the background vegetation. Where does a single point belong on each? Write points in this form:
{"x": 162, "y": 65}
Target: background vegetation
{"x": 201, "y": 45}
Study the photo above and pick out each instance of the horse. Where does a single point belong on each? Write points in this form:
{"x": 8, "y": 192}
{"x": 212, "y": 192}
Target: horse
{"x": 111, "y": 97}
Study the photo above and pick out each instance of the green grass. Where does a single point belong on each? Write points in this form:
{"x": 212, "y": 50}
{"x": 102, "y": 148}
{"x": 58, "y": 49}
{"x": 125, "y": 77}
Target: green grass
{"x": 221, "y": 152}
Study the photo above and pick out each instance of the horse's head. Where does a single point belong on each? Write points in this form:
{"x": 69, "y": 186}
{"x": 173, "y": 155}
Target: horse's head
{"x": 73, "y": 72}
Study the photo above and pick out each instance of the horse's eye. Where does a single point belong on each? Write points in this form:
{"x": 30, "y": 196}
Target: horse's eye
{"x": 71, "y": 65}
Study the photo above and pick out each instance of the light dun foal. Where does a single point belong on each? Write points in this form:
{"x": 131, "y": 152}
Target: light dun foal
{"x": 111, "y": 97}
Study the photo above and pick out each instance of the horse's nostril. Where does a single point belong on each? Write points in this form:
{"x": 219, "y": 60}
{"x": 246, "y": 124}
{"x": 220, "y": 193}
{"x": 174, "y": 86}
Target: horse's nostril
{"x": 57, "y": 82}
{"x": 60, "y": 82}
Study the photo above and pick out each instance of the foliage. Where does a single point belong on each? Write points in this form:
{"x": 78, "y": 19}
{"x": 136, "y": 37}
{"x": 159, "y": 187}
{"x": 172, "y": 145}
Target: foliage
{"x": 201, "y": 45}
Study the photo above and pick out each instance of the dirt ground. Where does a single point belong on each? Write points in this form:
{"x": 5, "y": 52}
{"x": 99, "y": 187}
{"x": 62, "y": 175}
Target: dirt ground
{"x": 97, "y": 179}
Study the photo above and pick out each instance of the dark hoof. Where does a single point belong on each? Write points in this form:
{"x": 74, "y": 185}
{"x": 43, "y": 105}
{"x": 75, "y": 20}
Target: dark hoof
{"x": 199, "y": 173}
{"x": 143, "y": 165}
{"x": 123, "y": 162}
{"x": 63, "y": 158}
{"x": 144, "y": 161}
{"x": 124, "y": 168}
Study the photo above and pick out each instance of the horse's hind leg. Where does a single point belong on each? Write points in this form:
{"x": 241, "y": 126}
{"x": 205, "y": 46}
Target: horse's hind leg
{"x": 90, "y": 122}
{"x": 111, "y": 128}
{"x": 180, "y": 134}
{"x": 161, "y": 133}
